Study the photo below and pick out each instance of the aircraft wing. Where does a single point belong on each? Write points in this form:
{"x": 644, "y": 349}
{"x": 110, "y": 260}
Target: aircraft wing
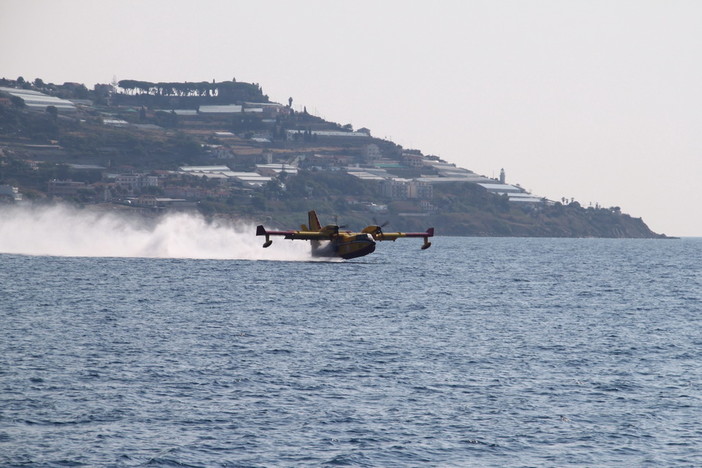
{"x": 293, "y": 235}
{"x": 383, "y": 236}
{"x": 379, "y": 235}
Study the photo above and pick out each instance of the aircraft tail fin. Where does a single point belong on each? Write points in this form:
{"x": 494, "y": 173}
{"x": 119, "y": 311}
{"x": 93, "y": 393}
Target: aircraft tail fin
{"x": 313, "y": 221}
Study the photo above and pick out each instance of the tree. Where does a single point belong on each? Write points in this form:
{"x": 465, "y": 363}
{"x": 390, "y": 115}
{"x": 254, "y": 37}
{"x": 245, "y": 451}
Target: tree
{"x": 152, "y": 190}
{"x": 80, "y": 92}
{"x": 18, "y": 102}
{"x": 52, "y": 111}
{"x": 166, "y": 119}
{"x": 258, "y": 202}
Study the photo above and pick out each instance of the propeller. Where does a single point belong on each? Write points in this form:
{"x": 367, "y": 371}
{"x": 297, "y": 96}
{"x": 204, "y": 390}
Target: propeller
{"x": 379, "y": 230}
{"x": 336, "y": 221}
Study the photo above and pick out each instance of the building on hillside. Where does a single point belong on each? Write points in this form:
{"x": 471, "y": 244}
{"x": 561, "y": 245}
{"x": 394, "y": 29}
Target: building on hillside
{"x": 268, "y": 109}
{"x": 8, "y": 192}
{"x": 363, "y": 175}
{"x": 368, "y": 173}
{"x": 195, "y": 169}
{"x": 420, "y": 190}
{"x": 444, "y": 169}
{"x": 221, "y": 109}
{"x": 180, "y": 112}
{"x": 250, "y": 179}
{"x": 86, "y": 167}
{"x": 227, "y": 177}
{"x": 189, "y": 193}
{"x": 501, "y": 188}
{"x": 324, "y": 135}
{"x": 335, "y": 161}
{"x": 222, "y": 152}
{"x": 151, "y": 201}
{"x": 458, "y": 176}
{"x": 39, "y": 101}
{"x": 413, "y": 160}
{"x": 514, "y": 193}
{"x": 371, "y": 152}
{"x": 395, "y": 189}
{"x": 136, "y": 182}
{"x": 406, "y": 189}
{"x": 65, "y": 188}
{"x": 275, "y": 169}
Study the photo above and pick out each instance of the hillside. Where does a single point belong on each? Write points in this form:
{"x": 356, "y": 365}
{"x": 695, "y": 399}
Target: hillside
{"x": 226, "y": 150}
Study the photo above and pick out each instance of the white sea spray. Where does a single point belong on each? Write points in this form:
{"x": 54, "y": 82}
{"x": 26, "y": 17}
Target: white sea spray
{"x": 62, "y": 230}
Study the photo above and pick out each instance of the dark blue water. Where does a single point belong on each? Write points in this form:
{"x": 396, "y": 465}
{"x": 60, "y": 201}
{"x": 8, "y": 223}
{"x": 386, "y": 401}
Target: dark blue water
{"x": 476, "y": 352}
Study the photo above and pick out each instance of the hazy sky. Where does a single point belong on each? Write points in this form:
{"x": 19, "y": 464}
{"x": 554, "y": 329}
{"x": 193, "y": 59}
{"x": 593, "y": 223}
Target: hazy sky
{"x": 596, "y": 100}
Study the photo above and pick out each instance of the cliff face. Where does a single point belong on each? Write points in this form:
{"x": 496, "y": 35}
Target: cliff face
{"x": 471, "y": 211}
{"x": 546, "y": 221}
{"x": 573, "y": 225}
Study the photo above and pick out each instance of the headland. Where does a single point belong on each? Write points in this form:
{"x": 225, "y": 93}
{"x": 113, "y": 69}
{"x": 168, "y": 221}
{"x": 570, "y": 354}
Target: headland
{"x": 225, "y": 150}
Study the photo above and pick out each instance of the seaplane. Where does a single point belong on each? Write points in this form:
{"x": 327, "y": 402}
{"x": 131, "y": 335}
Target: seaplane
{"x": 332, "y": 241}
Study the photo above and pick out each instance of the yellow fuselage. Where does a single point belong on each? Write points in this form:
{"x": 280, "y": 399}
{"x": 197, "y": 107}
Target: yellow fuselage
{"x": 345, "y": 245}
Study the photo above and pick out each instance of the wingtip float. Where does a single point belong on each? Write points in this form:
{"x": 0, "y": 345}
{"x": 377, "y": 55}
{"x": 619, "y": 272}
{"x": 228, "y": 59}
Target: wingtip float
{"x": 330, "y": 241}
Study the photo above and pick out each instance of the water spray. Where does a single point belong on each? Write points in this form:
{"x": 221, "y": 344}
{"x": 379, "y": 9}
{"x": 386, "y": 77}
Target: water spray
{"x": 62, "y": 230}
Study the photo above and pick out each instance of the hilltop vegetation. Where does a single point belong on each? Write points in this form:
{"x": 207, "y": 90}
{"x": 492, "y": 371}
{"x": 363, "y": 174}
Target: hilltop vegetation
{"x": 125, "y": 145}
{"x": 186, "y": 95}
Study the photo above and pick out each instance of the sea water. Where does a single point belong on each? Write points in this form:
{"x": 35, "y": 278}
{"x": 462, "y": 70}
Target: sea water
{"x": 475, "y": 352}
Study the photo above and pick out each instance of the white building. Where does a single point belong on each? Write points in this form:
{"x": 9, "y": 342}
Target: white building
{"x": 514, "y": 193}
{"x": 226, "y": 175}
{"x": 372, "y": 152}
{"x": 413, "y": 160}
{"x": 8, "y": 191}
{"x": 420, "y": 190}
{"x": 223, "y": 109}
{"x": 134, "y": 182}
{"x": 275, "y": 169}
